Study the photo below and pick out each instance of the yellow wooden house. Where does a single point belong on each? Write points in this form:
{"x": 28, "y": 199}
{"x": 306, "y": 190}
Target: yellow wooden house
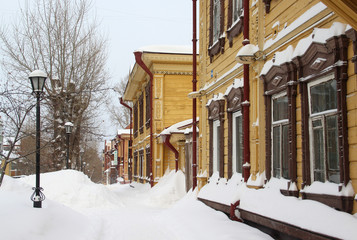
{"x": 158, "y": 86}
{"x": 278, "y": 92}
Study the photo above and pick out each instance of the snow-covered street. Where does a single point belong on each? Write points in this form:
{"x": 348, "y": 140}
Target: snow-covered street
{"x": 76, "y": 208}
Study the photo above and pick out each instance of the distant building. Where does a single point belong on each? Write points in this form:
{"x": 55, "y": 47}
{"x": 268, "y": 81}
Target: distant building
{"x": 169, "y": 70}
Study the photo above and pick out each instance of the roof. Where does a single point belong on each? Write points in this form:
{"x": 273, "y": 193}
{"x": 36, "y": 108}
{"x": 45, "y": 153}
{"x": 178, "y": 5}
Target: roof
{"x": 179, "y": 127}
{"x": 123, "y": 131}
{"x": 169, "y": 49}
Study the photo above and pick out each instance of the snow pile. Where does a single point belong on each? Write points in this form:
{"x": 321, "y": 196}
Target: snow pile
{"x": 75, "y": 189}
{"x": 321, "y": 218}
{"x": 19, "y": 220}
{"x": 170, "y": 188}
{"x": 220, "y": 191}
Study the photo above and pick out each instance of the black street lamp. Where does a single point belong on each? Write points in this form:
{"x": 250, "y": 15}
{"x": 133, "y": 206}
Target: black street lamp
{"x": 37, "y": 79}
{"x": 68, "y": 126}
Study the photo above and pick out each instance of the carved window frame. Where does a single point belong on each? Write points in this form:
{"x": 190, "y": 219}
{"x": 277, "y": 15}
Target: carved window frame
{"x": 147, "y": 106}
{"x": 234, "y": 105}
{"x": 216, "y": 112}
{"x": 333, "y": 52}
{"x": 147, "y": 162}
{"x": 141, "y": 114}
{"x": 234, "y": 28}
{"x": 135, "y": 164}
{"x": 352, "y": 34}
{"x": 277, "y": 80}
{"x": 135, "y": 119}
{"x": 216, "y": 47}
{"x": 141, "y": 164}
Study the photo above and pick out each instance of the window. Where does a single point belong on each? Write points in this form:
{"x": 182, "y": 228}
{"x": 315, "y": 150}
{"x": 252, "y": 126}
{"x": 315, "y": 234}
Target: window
{"x": 216, "y": 29}
{"x": 141, "y": 112}
{"x": 237, "y": 9}
{"x": 147, "y": 102}
{"x": 324, "y": 130}
{"x": 216, "y": 147}
{"x": 280, "y": 130}
{"x": 141, "y": 163}
{"x": 136, "y": 119}
{"x": 237, "y": 157}
{"x": 216, "y": 20}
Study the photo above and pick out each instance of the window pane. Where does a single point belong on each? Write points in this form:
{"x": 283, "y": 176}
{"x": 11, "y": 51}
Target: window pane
{"x": 237, "y": 6}
{"x": 285, "y": 152}
{"x": 318, "y": 144}
{"x": 332, "y": 149}
{"x": 216, "y": 19}
{"x": 276, "y": 152}
{"x": 280, "y": 108}
{"x": 239, "y": 144}
{"x": 323, "y": 96}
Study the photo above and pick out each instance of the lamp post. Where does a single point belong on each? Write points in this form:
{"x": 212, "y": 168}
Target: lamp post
{"x": 37, "y": 79}
{"x": 68, "y": 126}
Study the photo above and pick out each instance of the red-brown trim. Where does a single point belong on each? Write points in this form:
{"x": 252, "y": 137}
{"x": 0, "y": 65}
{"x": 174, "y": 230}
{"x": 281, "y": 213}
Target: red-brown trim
{"x": 352, "y": 34}
{"x": 217, "y": 47}
{"x": 234, "y": 100}
{"x": 282, "y": 227}
{"x": 334, "y": 51}
{"x": 281, "y": 78}
{"x": 141, "y": 114}
{"x": 342, "y": 203}
{"x": 215, "y": 205}
{"x": 236, "y": 29}
{"x": 216, "y": 112}
{"x": 147, "y": 107}
{"x": 135, "y": 119}
{"x": 267, "y": 5}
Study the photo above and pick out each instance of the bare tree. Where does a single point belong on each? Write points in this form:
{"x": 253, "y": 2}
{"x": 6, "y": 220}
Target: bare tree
{"x": 15, "y": 106}
{"x": 120, "y": 115}
{"x": 57, "y": 37}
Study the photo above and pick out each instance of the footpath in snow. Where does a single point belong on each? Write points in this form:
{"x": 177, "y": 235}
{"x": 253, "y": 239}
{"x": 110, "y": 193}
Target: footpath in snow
{"x": 76, "y": 208}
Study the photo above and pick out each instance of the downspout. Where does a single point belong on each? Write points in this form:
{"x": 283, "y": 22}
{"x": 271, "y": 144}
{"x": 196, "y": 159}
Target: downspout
{"x": 246, "y": 104}
{"x": 141, "y": 63}
{"x": 172, "y": 148}
{"x": 194, "y": 88}
{"x": 130, "y": 141}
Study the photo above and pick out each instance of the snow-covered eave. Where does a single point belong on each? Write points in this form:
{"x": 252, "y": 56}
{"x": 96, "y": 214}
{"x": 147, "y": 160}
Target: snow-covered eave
{"x": 166, "y": 49}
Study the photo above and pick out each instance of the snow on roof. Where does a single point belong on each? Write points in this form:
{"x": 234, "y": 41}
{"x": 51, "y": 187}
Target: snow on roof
{"x": 237, "y": 83}
{"x": 215, "y": 97}
{"x": 313, "y": 11}
{"x": 123, "y": 131}
{"x": 178, "y": 49}
{"x": 319, "y": 35}
{"x": 177, "y": 127}
{"x": 278, "y": 59}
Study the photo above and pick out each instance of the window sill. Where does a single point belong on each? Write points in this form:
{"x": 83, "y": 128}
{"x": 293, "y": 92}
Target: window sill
{"x": 216, "y": 48}
{"x": 289, "y": 193}
{"x": 342, "y": 203}
{"x": 235, "y": 30}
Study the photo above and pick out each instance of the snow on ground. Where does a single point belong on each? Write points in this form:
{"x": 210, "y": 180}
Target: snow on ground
{"x": 77, "y": 208}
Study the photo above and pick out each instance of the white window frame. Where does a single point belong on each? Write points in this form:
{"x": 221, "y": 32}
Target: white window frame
{"x": 315, "y": 116}
{"x": 234, "y": 140}
{"x": 279, "y": 123}
{"x": 238, "y": 9}
{"x": 216, "y": 153}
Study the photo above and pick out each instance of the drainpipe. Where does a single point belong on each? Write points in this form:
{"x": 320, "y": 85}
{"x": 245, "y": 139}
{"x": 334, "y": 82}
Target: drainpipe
{"x": 194, "y": 88}
{"x": 172, "y": 148}
{"x": 131, "y": 134}
{"x": 246, "y": 104}
{"x": 141, "y": 63}
{"x": 123, "y": 154}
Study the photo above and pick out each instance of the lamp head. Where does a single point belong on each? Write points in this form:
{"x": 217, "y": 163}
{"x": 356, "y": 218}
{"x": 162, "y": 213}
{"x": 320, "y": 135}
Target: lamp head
{"x": 68, "y": 126}
{"x": 37, "y": 79}
{"x": 247, "y": 54}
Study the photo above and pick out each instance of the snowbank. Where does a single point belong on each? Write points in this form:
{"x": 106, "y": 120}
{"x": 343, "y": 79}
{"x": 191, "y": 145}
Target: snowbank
{"x": 75, "y": 189}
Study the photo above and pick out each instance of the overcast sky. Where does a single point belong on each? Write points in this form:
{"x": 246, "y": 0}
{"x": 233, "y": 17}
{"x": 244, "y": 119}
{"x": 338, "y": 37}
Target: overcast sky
{"x": 129, "y": 25}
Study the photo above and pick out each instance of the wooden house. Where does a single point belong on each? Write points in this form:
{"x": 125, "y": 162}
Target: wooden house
{"x": 158, "y": 87}
{"x": 278, "y": 93}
